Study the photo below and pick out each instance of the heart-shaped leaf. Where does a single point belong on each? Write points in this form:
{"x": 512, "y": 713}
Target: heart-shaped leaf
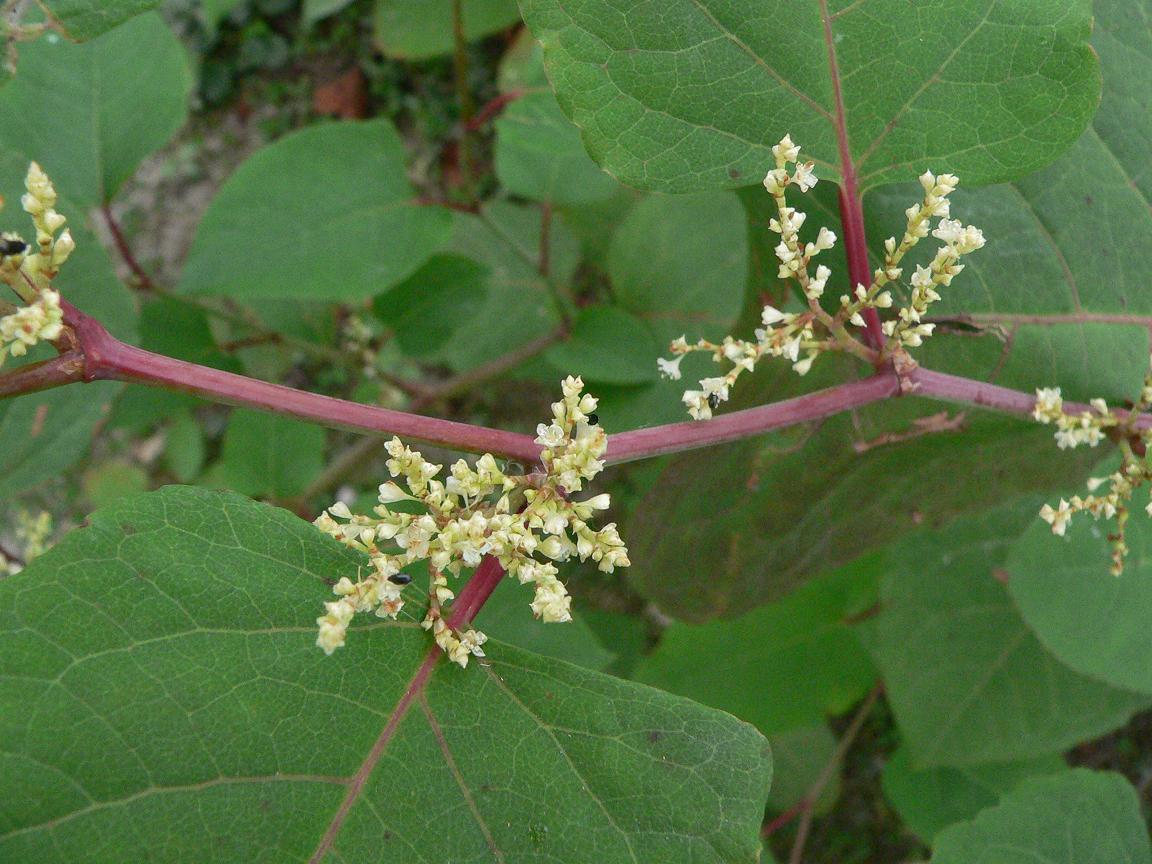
{"x": 159, "y": 672}
{"x": 1076, "y": 817}
{"x": 112, "y": 101}
{"x": 966, "y": 678}
{"x": 277, "y": 226}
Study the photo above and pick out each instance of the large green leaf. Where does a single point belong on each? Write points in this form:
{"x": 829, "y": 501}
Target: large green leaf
{"x": 1078, "y": 817}
{"x": 683, "y": 95}
{"x": 966, "y": 678}
{"x": 931, "y": 799}
{"x": 539, "y": 155}
{"x": 761, "y": 516}
{"x": 785, "y": 666}
{"x": 1100, "y": 625}
{"x": 607, "y": 344}
{"x": 85, "y": 19}
{"x": 270, "y": 456}
{"x": 1068, "y": 243}
{"x": 681, "y": 263}
{"x": 161, "y": 697}
{"x": 519, "y": 306}
{"x": 417, "y": 29}
{"x": 90, "y": 113}
{"x": 44, "y": 434}
{"x": 290, "y": 224}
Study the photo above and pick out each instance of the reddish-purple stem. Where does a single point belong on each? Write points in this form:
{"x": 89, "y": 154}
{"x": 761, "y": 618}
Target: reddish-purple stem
{"x": 107, "y": 358}
{"x": 851, "y": 206}
{"x": 65, "y": 369}
{"x": 125, "y": 251}
{"x": 675, "y": 437}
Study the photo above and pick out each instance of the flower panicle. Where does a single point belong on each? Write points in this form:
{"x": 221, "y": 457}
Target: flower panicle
{"x": 1109, "y": 497}
{"x": 29, "y": 270}
{"x": 801, "y": 337}
{"x": 528, "y": 523}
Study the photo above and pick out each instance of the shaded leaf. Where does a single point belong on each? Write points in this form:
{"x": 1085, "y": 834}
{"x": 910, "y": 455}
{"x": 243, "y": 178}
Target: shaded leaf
{"x": 1096, "y": 623}
{"x": 680, "y": 263}
{"x": 1077, "y": 817}
{"x": 539, "y": 155}
{"x": 966, "y": 679}
{"x": 781, "y": 667}
{"x": 269, "y": 455}
{"x": 418, "y": 29}
{"x": 607, "y": 344}
{"x": 674, "y": 95}
{"x": 85, "y": 19}
{"x": 193, "y": 694}
{"x": 42, "y": 435}
{"x": 432, "y": 304}
{"x": 931, "y": 799}
{"x": 763, "y": 515}
{"x": 113, "y": 101}
{"x": 286, "y": 214}
{"x": 798, "y": 759}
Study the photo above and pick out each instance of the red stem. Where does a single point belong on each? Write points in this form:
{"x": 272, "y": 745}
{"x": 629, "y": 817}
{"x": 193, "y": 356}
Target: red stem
{"x": 107, "y": 358}
{"x": 675, "y": 437}
{"x": 65, "y": 369}
{"x": 100, "y": 356}
{"x": 476, "y": 593}
{"x": 851, "y": 208}
{"x": 121, "y": 243}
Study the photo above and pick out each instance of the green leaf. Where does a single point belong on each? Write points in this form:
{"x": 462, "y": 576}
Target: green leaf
{"x": 42, "y": 435}
{"x": 1068, "y": 243}
{"x": 85, "y": 19}
{"x": 781, "y": 667}
{"x": 816, "y": 497}
{"x": 799, "y": 758}
{"x": 607, "y": 344}
{"x": 685, "y": 95}
{"x": 431, "y": 305}
{"x": 931, "y": 799}
{"x": 418, "y": 29}
{"x": 159, "y": 672}
{"x": 269, "y": 455}
{"x": 184, "y": 450}
{"x": 508, "y": 614}
{"x": 681, "y": 263}
{"x": 1077, "y": 817}
{"x": 287, "y": 224}
{"x": 1096, "y": 623}
{"x": 967, "y": 680}
{"x": 539, "y": 155}
{"x": 315, "y": 10}
{"x": 106, "y": 481}
{"x": 113, "y": 101}
{"x": 519, "y": 307}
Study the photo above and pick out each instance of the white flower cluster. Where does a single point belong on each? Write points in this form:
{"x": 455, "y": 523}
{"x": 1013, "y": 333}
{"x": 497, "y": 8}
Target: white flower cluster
{"x": 42, "y": 320}
{"x": 817, "y": 330}
{"x": 1073, "y": 430}
{"x": 526, "y": 522}
{"x": 1088, "y": 427}
{"x": 30, "y": 274}
{"x": 30, "y": 535}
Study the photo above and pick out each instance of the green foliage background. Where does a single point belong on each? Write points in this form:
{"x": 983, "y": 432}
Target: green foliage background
{"x": 160, "y": 694}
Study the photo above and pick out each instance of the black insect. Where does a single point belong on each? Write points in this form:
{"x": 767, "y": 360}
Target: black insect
{"x": 593, "y": 419}
{"x": 11, "y": 246}
{"x": 399, "y": 578}
{"x": 714, "y": 400}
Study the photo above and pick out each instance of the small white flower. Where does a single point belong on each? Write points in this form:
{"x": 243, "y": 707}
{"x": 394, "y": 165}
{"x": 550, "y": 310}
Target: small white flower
{"x": 670, "y": 368}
